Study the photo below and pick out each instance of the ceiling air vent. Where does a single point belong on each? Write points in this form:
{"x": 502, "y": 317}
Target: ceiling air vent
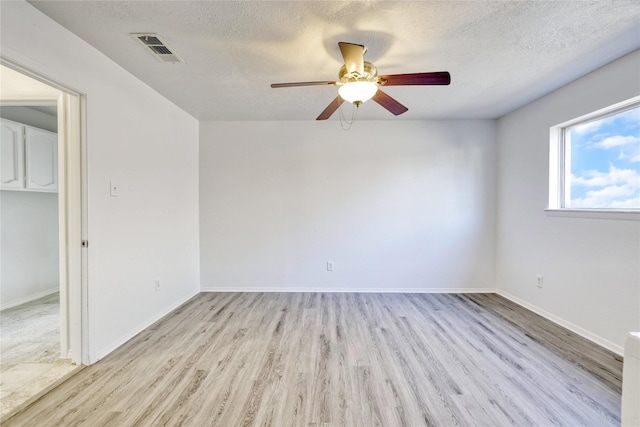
{"x": 157, "y": 47}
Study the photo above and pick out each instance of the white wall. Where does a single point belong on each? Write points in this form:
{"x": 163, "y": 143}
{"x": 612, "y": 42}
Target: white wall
{"x": 404, "y": 206}
{"x": 28, "y": 230}
{"x": 591, "y": 267}
{"x": 150, "y": 148}
{"x": 31, "y": 117}
{"x": 28, "y": 246}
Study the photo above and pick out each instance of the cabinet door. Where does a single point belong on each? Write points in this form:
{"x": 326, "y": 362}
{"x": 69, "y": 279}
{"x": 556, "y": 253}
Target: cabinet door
{"x": 41, "y": 152}
{"x": 12, "y": 156}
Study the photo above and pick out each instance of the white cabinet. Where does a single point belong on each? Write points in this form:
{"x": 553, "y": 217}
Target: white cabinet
{"x": 29, "y": 158}
{"x": 12, "y": 155}
{"x": 41, "y": 159}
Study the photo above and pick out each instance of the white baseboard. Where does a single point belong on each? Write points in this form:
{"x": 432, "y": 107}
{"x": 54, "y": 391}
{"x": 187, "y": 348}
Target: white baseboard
{"x": 29, "y": 298}
{"x": 564, "y": 323}
{"x": 351, "y": 290}
{"x": 100, "y": 354}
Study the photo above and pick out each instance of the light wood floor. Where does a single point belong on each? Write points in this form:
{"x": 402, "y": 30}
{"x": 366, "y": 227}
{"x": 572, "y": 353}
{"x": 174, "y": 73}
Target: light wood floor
{"x": 308, "y": 359}
{"x": 30, "y": 352}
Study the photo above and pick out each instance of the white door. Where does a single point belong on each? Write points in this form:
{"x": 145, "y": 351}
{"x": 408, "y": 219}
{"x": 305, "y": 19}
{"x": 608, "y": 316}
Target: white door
{"x": 41, "y": 151}
{"x": 12, "y": 155}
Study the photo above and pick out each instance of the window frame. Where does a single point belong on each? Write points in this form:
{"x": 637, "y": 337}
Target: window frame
{"x": 560, "y": 155}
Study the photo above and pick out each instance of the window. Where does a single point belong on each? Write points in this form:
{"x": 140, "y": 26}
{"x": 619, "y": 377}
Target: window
{"x": 595, "y": 161}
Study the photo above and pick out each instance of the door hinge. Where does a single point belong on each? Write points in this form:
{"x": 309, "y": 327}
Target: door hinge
{"x": 85, "y": 243}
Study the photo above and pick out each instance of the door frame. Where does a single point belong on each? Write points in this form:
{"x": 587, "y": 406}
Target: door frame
{"x": 72, "y": 207}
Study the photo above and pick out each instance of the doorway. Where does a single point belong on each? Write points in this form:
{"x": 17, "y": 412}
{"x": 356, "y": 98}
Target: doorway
{"x": 28, "y": 101}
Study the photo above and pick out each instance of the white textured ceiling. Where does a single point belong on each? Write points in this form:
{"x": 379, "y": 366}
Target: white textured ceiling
{"x": 501, "y": 54}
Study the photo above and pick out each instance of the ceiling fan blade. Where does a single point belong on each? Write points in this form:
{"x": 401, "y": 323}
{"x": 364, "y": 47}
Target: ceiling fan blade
{"x": 435, "y": 78}
{"x": 389, "y": 103}
{"x": 296, "y": 84}
{"x": 353, "y": 55}
{"x": 331, "y": 108}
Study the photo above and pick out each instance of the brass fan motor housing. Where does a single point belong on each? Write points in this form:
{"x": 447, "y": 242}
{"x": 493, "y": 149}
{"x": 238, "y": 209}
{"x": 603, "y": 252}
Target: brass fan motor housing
{"x": 370, "y": 74}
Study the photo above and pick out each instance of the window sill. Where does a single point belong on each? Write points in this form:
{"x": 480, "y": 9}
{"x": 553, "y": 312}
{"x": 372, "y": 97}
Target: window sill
{"x": 622, "y": 215}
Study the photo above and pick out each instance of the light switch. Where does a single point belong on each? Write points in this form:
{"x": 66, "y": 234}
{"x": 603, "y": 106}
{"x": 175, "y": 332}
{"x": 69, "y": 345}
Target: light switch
{"x": 114, "y": 189}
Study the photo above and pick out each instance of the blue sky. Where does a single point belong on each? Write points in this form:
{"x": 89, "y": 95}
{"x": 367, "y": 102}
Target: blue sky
{"x": 605, "y": 162}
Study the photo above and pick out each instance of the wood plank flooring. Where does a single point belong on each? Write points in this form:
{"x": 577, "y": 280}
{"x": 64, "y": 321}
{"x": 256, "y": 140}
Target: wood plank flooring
{"x": 312, "y": 359}
{"x": 30, "y": 352}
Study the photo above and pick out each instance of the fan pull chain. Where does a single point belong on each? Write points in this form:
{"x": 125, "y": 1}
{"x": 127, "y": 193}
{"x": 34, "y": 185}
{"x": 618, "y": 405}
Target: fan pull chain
{"x": 346, "y": 124}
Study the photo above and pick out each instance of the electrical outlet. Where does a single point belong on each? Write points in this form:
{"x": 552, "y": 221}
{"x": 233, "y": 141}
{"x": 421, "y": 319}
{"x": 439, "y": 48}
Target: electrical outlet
{"x": 157, "y": 285}
{"x": 539, "y": 280}
{"x": 329, "y": 265}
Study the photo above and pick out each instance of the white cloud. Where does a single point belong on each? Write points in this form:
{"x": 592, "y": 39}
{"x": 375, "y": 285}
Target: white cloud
{"x": 617, "y": 140}
{"x": 632, "y": 203}
{"x": 614, "y": 176}
{"x": 629, "y": 158}
{"x": 617, "y": 188}
{"x": 615, "y": 196}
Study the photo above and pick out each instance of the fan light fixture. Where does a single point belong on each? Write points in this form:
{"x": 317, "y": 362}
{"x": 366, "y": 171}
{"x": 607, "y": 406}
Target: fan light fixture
{"x": 358, "y": 92}
{"x": 359, "y": 81}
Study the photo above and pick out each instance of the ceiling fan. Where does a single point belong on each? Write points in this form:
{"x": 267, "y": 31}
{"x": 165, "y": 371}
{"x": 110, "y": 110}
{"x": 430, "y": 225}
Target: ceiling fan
{"x": 359, "y": 82}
